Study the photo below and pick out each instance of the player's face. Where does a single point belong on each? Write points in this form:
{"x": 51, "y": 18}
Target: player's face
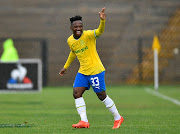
{"x": 77, "y": 28}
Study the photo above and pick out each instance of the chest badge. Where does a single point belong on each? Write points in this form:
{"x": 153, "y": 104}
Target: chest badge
{"x": 82, "y": 43}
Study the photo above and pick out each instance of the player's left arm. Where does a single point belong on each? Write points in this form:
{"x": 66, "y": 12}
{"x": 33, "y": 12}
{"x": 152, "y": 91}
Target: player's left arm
{"x": 70, "y": 59}
{"x": 101, "y": 27}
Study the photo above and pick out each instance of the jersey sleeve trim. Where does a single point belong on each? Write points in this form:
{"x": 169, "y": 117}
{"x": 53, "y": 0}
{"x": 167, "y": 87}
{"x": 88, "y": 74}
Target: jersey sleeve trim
{"x": 95, "y": 34}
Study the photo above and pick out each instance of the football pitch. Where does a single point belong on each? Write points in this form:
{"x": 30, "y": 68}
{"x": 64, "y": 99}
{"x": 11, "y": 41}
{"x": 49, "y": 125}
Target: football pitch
{"x": 53, "y": 111}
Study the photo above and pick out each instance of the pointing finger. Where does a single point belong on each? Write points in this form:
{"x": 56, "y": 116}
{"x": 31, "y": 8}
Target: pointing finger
{"x": 103, "y": 9}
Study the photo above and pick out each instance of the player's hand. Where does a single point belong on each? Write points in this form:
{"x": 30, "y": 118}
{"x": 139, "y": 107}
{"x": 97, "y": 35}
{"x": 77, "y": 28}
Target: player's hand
{"x": 62, "y": 71}
{"x": 102, "y": 14}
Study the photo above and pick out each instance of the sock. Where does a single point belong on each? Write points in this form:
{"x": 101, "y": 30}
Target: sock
{"x": 111, "y": 107}
{"x": 81, "y": 108}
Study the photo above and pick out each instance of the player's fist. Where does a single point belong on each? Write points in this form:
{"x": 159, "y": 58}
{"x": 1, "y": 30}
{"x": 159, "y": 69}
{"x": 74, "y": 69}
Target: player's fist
{"x": 102, "y": 14}
{"x": 62, "y": 71}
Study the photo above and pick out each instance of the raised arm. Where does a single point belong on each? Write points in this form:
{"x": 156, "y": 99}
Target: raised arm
{"x": 101, "y": 27}
{"x": 70, "y": 59}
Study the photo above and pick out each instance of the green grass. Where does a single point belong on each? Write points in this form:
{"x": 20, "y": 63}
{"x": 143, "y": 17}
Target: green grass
{"x": 53, "y": 112}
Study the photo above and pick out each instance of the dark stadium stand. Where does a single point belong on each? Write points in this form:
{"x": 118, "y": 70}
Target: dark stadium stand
{"x": 168, "y": 57}
{"x": 127, "y": 21}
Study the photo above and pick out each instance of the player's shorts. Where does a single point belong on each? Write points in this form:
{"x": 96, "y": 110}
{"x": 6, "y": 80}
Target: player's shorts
{"x": 96, "y": 81}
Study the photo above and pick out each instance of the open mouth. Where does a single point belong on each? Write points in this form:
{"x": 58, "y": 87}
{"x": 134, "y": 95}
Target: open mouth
{"x": 78, "y": 32}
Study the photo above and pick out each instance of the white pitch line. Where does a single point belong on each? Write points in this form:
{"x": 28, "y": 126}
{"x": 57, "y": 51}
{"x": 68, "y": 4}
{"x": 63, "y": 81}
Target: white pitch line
{"x": 163, "y": 96}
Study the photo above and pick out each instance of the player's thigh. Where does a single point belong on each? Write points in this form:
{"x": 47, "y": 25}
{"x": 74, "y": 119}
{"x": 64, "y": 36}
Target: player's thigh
{"x": 81, "y": 81}
{"x": 98, "y": 82}
{"x": 81, "y": 84}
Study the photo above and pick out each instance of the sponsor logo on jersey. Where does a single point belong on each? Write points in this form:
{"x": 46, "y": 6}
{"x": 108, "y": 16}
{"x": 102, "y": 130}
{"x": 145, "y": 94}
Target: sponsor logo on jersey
{"x": 81, "y": 50}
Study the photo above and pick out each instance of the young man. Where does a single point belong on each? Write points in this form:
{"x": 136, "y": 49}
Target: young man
{"x": 91, "y": 71}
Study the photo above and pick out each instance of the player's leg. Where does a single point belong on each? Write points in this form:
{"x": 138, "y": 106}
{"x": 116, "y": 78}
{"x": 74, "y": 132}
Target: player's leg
{"x": 109, "y": 103}
{"x": 80, "y": 103}
{"x": 80, "y": 85}
{"x": 78, "y": 92}
{"x": 101, "y": 95}
{"x": 98, "y": 84}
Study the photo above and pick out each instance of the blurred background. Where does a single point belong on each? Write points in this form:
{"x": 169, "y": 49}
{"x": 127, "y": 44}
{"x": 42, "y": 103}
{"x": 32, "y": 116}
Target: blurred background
{"x": 40, "y": 29}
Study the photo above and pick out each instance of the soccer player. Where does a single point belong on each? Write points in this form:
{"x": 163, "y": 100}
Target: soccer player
{"x": 82, "y": 44}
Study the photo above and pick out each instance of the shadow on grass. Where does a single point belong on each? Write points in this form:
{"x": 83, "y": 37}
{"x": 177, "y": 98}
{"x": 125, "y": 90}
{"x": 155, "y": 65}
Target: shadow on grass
{"x": 16, "y": 125}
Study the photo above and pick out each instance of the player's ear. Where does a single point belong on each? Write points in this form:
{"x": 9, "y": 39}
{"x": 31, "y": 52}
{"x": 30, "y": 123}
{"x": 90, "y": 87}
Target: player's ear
{"x": 71, "y": 27}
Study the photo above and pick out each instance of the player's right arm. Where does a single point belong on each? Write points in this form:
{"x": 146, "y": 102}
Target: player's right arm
{"x": 70, "y": 59}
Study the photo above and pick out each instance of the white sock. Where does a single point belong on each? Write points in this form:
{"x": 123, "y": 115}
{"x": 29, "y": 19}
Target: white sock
{"x": 112, "y": 108}
{"x": 81, "y": 108}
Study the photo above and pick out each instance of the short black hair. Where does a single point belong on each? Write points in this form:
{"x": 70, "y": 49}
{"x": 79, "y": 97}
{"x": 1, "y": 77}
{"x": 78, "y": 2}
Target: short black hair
{"x": 77, "y": 17}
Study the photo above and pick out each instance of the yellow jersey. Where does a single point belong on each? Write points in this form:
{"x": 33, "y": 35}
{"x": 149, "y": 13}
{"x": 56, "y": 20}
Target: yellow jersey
{"x": 85, "y": 50}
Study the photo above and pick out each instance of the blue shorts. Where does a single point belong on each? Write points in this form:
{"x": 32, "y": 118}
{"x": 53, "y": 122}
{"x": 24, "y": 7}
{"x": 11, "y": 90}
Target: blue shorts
{"x": 96, "y": 81}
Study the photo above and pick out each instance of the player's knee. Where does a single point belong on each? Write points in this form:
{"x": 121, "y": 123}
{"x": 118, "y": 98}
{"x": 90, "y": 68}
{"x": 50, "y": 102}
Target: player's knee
{"x": 101, "y": 95}
{"x": 101, "y": 98}
{"x": 77, "y": 95}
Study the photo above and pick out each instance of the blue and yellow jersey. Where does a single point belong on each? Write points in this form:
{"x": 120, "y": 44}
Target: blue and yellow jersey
{"x": 85, "y": 50}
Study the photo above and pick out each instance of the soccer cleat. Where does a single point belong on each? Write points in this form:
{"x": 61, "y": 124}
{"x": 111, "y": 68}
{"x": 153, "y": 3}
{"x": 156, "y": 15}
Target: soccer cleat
{"x": 81, "y": 124}
{"x": 117, "y": 123}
